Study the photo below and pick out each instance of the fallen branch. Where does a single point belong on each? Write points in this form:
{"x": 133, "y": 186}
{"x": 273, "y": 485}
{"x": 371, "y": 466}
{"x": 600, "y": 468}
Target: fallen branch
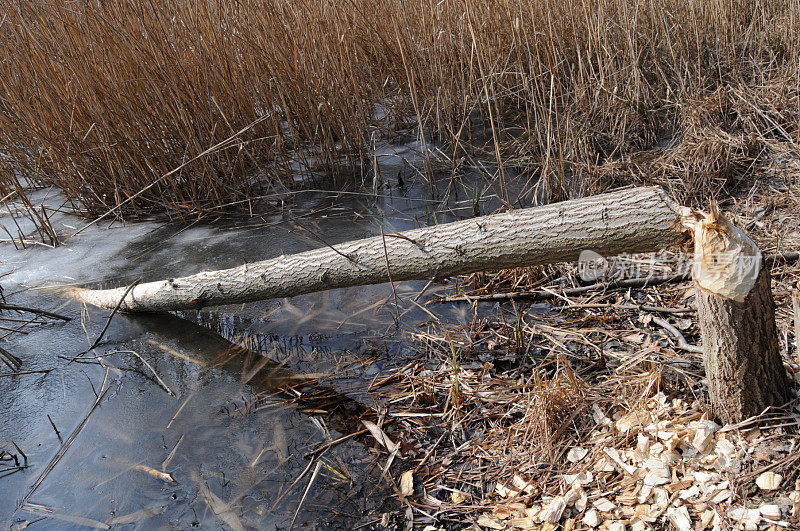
{"x": 682, "y": 343}
{"x": 4, "y": 306}
{"x": 637, "y": 307}
{"x": 634, "y": 220}
{"x": 108, "y": 321}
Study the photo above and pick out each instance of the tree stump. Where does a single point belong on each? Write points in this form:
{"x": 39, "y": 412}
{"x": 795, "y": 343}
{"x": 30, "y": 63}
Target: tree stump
{"x": 736, "y": 313}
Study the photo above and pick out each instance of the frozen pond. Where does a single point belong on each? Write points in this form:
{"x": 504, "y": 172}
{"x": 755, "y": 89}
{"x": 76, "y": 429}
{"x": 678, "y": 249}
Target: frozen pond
{"x": 219, "y": 422}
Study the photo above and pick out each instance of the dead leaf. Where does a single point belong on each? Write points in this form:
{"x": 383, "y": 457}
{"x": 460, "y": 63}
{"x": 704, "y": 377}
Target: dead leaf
{"x": 221, "y": 509}
{"x": 163, "y": 476}
{"x": 380, "y": 436}
{"x": 491, "y": 523}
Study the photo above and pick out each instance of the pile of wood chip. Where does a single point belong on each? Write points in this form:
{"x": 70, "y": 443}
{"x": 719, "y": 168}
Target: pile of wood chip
{"x": 674, "y": 466}
{"x": 593, "y": 412}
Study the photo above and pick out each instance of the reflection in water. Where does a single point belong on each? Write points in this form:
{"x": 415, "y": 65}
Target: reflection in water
{"x": 261, "y": 390}
{"x": 271, "y": 382}
{"x": 223, "y": 438}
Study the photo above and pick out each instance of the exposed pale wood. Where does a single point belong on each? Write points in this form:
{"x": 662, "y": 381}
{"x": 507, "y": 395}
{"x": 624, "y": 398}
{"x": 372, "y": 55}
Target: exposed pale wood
{"x": 631, "y": 220}
{"x": 736, "y": 312}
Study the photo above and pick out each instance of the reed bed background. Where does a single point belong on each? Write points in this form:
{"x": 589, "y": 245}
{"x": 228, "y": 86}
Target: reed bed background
{"x": 103, "y": 99}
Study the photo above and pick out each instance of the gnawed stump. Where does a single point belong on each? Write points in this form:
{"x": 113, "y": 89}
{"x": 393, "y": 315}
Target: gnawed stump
{"x": 736, "y": 313}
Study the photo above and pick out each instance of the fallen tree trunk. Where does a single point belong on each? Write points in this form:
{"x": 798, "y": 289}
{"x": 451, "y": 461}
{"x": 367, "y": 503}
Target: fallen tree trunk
{"x": 628, "y": 221}
{"x": 736, "y": 313}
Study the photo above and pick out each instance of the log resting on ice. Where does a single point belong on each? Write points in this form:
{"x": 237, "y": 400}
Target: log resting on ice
{"x": 633, "y": 220}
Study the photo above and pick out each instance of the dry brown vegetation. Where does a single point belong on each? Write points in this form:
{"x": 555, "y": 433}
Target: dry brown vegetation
{"x": 192, "y": 108}
{"x": 105, "y": 98}
{"x": 494, "y": 412}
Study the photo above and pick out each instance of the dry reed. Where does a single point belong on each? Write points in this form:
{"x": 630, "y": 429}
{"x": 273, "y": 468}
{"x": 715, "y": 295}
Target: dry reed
{"x": 103, "y": 98}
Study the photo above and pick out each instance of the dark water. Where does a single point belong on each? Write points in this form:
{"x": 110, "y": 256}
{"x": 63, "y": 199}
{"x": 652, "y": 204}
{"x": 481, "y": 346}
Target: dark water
{"x": 229, "y": 436}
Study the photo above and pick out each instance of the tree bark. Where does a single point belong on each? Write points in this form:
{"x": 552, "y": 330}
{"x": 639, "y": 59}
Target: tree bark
{"x": 736, "y": 313}
{"x": 628, "y": 221}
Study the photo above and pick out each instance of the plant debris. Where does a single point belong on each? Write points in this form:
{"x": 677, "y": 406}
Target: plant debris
{"x": 586, "y": 413}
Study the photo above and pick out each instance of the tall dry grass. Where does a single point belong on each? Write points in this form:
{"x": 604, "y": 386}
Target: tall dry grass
{"x": 105, "y": 98}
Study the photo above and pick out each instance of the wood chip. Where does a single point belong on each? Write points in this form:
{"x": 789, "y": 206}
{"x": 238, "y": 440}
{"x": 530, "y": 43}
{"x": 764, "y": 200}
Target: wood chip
{"x": 604, "y": 505}
{"x": 643, "y": 443}
{"x": 522, "y": 523}
{"x": 604, "y": 465}
{"x": 707, "y": 518}
{"x": 576, "y": 454}
{"x": 407, "y": 483}
{"x": 502, "y": 512}
{"x": 769, "y": 481}
{"x": 523, "y": 485}
{"x": 749, "y": 518}
{"x": 505, "y": 492}
{"x": 771, "y": 511}
{"x": 584, "y": 478}
{"x": 380, "y": 436}
{"x": 704, "y": 430}
{"x": 658, "y": 473}
{"x": 491, "y": 523}
{"x": 458, "y": 497}
{"x": 554, "y": 510}
{"x": 591, "y": 518}
{"x": 634, "y": 419}
{"x": 679, "y": 517}
{"x": 617, "y": 461}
